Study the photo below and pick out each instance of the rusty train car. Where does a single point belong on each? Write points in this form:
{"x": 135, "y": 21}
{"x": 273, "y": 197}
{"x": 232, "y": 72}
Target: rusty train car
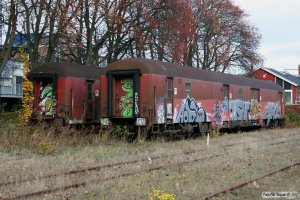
{"x": 66, "y": 93}
{"x": 154, "y": 97}
{"x": 160, "y": 97}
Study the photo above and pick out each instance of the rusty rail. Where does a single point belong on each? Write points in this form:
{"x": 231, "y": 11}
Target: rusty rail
{"x": 100, "y": 167}
{"x": 127, "y": 174}
{"x": 242, "y": 184}
{"x": 95, "y": 168}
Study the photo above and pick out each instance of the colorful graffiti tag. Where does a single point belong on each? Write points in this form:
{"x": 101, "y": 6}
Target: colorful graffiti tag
{"x": 217, "y": 113}
{"x": 225, "y": 104}
{"x": 190, "y": 112}
{"x": 239, "y": 110}
{"x": 126, "y": 104}
{"x": 255, "y": 107}
{"x": 272, "y": 111}
{"x": 46, "y": 97}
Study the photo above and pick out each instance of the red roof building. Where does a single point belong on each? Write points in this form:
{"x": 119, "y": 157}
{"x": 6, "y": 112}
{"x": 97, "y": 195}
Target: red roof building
{"x": 290, "y": 82}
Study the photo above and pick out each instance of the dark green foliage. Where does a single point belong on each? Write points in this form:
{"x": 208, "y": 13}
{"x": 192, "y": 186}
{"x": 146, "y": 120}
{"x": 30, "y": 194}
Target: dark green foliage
{"x": 292, "y": 118}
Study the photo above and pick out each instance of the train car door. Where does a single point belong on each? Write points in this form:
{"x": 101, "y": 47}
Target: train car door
{"x": 123, "y": 94}
{"x": 123, "y": 97}
{"x": 89, "y": 110}
{"x": 46, "y": 100}
{"x": 169, "y": 100}
{"x": 280, "y": 96}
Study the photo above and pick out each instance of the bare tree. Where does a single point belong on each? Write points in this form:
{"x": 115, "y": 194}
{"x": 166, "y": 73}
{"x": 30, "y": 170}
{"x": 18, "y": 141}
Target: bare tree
{"x": 9, "y": 21}
{"x": 223, "y": 37}
{"x": 208, "y": 34}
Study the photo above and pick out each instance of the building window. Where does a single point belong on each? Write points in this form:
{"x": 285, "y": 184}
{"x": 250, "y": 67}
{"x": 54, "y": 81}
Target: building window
{"x": 288, "y": 96}
{"x": 188, "y": 89}
{"x": 279, "y": 81}
{"x": 298, "y": 91}
{"x": 19, "y": 82}
{"x": 287, "y": 86}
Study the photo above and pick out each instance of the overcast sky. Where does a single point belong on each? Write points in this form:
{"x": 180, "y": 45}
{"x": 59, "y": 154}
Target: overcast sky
{"x": 279, "y": 24}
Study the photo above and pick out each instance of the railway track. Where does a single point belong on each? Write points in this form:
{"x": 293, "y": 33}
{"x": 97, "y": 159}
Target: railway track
{"x": 123, "y": 174}
{"x": 151, "y": 169}
{"x": 100, "y": 167}
{"x": 239, "y": 185}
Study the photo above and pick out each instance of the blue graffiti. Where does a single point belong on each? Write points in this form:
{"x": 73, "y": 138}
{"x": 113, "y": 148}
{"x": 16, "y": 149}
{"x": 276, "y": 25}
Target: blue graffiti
{"x": 190, "y": 112}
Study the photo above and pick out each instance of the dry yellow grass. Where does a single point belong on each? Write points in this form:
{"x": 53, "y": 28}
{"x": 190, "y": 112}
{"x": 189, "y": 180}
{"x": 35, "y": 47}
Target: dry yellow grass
{"x": 253, "y": 154}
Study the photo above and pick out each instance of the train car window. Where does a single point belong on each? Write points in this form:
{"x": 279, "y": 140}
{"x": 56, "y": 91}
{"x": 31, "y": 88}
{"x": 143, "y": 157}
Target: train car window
{"x": 254, "y": 94}
{"x": 241, "y": 93}
{"x": 226, "y": 92}
{"x": 170, "y": 88}
{"x": 90, "y": 91}
{"x": 188, "y": 89}
{"x": 226, "y": 97}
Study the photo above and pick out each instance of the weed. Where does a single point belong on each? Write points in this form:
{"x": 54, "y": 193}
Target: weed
{"x": 215, "y": 133}
{"x": 45, "y": 148}
{"x": 123, "y": 132}
{"x": 161, "y": 195}
{"x": 292, "y": 118}
{"x": 7, "y": 117}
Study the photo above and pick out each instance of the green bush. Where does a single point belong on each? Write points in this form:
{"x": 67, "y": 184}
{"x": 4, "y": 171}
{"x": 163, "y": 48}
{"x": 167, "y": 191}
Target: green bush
{"x": 292, "y": 118}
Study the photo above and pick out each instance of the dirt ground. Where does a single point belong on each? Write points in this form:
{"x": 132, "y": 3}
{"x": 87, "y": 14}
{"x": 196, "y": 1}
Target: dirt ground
{"x": 189, "y": 169}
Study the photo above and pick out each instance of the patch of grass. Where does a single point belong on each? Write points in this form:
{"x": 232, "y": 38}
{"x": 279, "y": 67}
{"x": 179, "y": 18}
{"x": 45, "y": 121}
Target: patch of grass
{"x": 7, "y": 117}
{"x": 292, "y": 119}
{"x": 41, "y": 140}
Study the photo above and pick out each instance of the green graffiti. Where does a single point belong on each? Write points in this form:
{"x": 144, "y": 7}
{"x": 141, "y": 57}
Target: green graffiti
{"x": 127, "y": 101}
{"x": 46, "y": 103}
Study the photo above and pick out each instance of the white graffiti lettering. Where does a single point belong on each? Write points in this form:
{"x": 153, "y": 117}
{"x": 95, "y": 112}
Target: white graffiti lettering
{"x": 136, "y": 103}
{"x": 190, "y": 112}
{"x": 161, "y": 114}
{"x": 272, "y": 111}
{"x": 218, "y": 112}
{"x": 239, "y": 110}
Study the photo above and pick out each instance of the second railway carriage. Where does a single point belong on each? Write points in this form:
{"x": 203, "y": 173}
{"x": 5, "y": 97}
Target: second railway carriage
{"x": 159, "y": 96}
{"x": 66, "y": 92}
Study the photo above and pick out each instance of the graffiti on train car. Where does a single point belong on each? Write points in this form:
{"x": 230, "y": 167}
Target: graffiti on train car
{"x": 127, "y": 100}
{"x": 239, "y": 110}
{"x": 190, "y": 112}
{"x": 218, "y": 113}
{"x": 46, "y": 99}
{"x": 272, "y": 111}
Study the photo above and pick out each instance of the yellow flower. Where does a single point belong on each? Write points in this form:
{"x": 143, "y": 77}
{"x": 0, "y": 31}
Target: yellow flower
{"x": 160, "y": 195}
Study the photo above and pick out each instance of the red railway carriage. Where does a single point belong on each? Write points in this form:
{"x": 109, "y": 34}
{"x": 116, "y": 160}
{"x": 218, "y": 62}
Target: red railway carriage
{"x": 66, "y": 92}
{"x": 157, "y": 95}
